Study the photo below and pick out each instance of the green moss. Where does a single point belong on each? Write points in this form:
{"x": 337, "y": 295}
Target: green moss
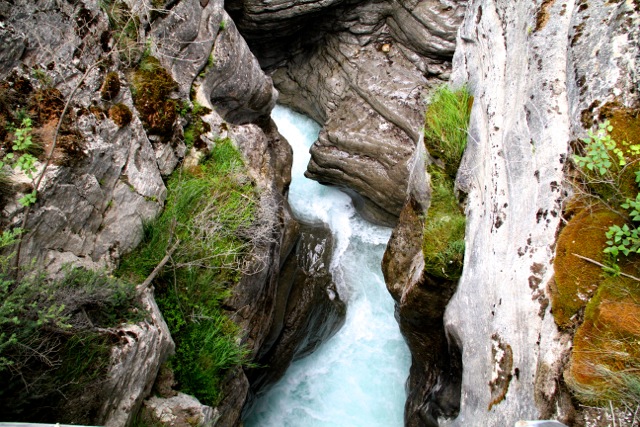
{"x": 211, "y": 209}
{"x": 446, "y": 122}
{"x": 196, "y": 127}
{"x": 151, "y": 87}
{"x": 576, "y": 279}
{"x": 443, "y": 239}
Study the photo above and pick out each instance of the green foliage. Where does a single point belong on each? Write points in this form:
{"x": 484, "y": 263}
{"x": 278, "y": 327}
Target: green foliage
{"x": 211, "y": 210}
{"x": 223, "y": 25}
{"x": 20, "y": 158}
{"x": 445, "y": 136}
{"x": 52, "y": 337}
{"x": 602, "y": 150}
{"x": 443, "y": 241}
{"x": 196, "y": 126}
{"x": 606, "y": 158}
{"x": 446, "y": 122}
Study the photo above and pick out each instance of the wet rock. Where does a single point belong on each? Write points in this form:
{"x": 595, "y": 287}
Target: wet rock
{"x": 369, "y": 100}
{"x": 308, "y": 309}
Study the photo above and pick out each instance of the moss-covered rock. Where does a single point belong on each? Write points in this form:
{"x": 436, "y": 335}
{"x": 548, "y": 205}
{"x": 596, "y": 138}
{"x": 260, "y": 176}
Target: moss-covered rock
{"x": 120, "y": 114}
{"x": 576, "y": 279}
{"x": 110, "y": 86}
{"x": 443, "y": 238}
{"x": 605, "y": 362}
{"x": 151, "y": 87}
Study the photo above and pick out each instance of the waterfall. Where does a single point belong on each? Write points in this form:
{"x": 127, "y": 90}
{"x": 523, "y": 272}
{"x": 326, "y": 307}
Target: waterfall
{"x": 356, "y": 378}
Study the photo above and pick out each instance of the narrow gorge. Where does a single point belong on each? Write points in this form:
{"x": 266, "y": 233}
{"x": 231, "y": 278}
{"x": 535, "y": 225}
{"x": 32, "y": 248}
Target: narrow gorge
{"x": 165, "y": 262}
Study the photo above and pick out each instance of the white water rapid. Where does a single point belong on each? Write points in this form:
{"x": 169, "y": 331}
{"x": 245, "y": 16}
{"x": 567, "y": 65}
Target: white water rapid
{"x": 357, "y": 377}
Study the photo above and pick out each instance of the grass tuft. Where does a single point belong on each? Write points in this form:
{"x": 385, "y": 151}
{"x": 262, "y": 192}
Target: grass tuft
{"x": 446, "y": 122}
{"x": 443, "y": 241}
{"x": 211, "y": 209}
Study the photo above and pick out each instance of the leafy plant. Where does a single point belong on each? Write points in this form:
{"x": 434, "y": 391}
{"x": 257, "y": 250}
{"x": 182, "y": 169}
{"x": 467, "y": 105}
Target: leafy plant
{"x": 605, "y": 157}
{"x": 600, "y": 148}
{"x": 53, "y": 336}
{"x": 20, "y": 158}
{"x": 446, "y": 122}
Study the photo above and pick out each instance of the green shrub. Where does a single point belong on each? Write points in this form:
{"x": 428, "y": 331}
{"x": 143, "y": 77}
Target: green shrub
{"x": 54, "y": 344}
{"x": 443, "y": 240}
{"x": 446, "y": 122}
{"x": 211, "y": 210}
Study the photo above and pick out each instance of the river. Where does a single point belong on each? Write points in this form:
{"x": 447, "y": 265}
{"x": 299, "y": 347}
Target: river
{"x": 357, "y": 377}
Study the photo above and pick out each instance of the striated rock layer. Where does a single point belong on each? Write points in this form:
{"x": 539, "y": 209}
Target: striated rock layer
{"x": 535, "y": 70}
{"x": 361, "y": 70}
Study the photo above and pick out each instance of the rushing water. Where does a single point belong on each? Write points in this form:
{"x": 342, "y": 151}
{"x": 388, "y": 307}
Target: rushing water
{"x": 357, "y": 377}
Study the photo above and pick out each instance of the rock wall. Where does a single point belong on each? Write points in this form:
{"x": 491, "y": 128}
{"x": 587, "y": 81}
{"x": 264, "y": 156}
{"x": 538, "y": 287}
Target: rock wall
{"x": 362, "y": 71}
{"x": 90, "y": 211}
{"x": 535, "y": 70}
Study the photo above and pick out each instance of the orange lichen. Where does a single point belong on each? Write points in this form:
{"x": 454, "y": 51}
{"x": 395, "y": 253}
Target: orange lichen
{"x": 577, "y": 279}
{"x": 605, "y": 361}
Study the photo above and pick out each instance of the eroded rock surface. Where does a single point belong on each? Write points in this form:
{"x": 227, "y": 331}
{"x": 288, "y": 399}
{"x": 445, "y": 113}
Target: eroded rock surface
{"x": 308, "y": 309}
{"x": 361, "y": 71}
{"x": 533, "y": 69}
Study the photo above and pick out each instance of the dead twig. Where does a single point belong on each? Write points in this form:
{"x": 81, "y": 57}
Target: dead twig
{"x": 144, "y": 285}
{"x": 604, "y": 266}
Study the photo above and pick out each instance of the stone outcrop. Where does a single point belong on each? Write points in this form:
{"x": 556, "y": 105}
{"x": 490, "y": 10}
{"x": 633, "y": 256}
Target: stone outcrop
{"x": 180, "y": 410}
{"x": 434, "y": 379}
{"x": 308, "y": 309}
{"x": 361, "y": 71}
{"x": 135, "y": 364}
{"x": 216, "y": 58}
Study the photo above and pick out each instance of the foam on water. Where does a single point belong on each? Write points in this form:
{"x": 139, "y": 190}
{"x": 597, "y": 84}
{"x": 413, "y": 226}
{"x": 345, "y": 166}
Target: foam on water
{"x": 356, "y": 378}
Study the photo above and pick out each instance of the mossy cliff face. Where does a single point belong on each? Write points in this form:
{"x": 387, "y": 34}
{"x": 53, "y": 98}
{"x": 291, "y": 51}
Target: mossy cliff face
{"x": 577, "y": 279}
{"x": 531, "y": 84}
{"x": 91, "y": 211}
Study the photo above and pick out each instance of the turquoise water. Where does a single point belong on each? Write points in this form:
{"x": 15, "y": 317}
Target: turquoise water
{"x": 357, "y": 377}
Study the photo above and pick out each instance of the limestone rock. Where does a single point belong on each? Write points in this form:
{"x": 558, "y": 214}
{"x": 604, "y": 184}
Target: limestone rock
{"x": 181, "y": 410}
{"x": 216, "y": 58}
{"x": 530, "y": 66}
{"x": 136, "y": 361}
